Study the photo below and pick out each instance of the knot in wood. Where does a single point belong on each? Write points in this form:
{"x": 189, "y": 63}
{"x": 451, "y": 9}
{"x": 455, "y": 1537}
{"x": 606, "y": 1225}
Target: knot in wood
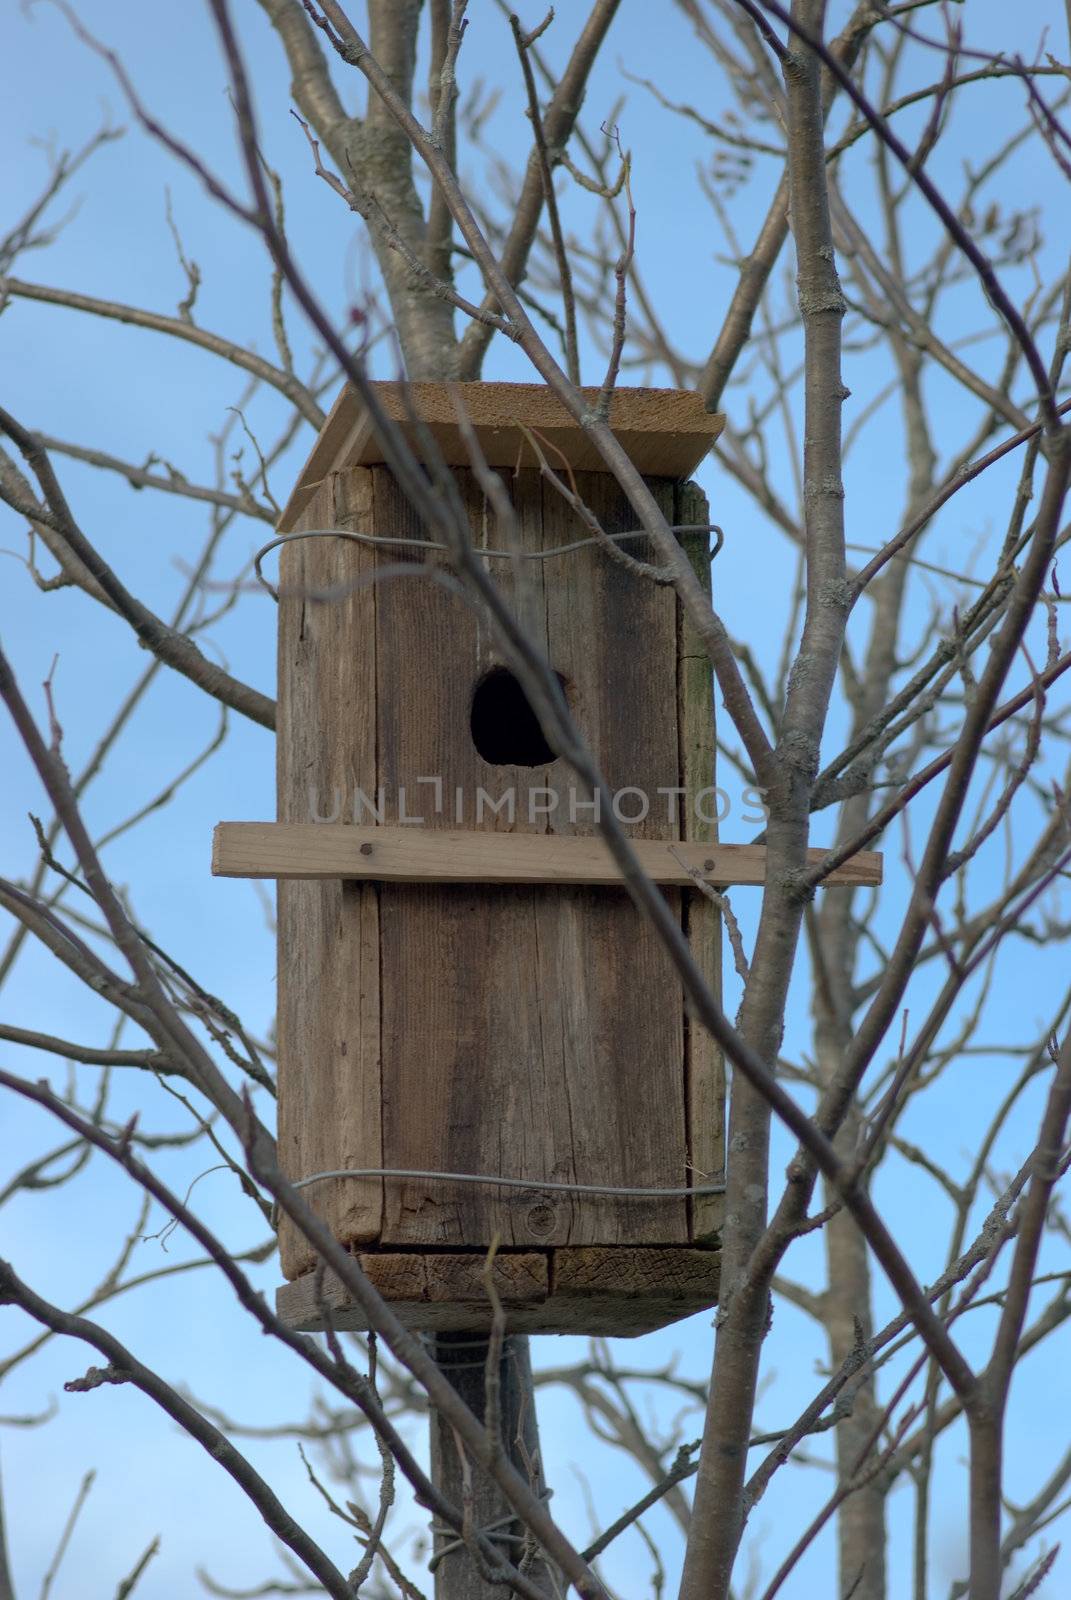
{"x": 540, "y": 1218}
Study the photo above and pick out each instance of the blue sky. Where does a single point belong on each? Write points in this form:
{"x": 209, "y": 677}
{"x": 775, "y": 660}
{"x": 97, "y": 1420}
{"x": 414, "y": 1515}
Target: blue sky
{"x": 132, "y": 392}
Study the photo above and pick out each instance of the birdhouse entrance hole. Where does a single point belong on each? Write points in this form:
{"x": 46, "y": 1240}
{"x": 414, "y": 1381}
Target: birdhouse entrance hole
{"x": 505, "y": 729}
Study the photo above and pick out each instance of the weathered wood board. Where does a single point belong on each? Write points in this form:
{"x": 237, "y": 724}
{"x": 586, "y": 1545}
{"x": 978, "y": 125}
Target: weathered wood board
{"x": 328, "y": 933}
{"x": 614, "y": 1292}
{"x": 533, "y": 1032}
{"x": 704, "y": 1068}
{"x": 326, "y": 850}
{"x": 665, "y": 431}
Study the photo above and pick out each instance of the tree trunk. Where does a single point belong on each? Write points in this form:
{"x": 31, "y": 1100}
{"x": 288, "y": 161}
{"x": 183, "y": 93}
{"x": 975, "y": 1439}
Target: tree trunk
{"x": 846, "y": 1305}
{"x": 846, "y": 1314}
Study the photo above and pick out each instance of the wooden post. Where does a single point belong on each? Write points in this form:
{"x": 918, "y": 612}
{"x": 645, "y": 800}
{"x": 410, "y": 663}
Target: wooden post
{"x": 463, "y": 1359}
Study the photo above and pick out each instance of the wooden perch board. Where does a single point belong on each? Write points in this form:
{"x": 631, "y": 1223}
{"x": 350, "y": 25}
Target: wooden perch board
{"x": 421, "y": 855}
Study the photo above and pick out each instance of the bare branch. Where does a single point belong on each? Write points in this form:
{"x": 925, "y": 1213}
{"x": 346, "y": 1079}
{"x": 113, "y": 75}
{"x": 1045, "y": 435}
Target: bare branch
{"x": 178, "y": 328}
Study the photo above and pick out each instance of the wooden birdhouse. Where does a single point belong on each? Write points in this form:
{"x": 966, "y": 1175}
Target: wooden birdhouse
{"x": 481, "y": 1042}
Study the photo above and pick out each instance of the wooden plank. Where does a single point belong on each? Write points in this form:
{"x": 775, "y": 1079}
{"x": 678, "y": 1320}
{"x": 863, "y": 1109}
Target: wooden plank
{"x": 328, "y": 932}
{"x": 422, "y": 1288}
{"x": 612, "y": 1291}
{"x": 666, "y": 432}
{"x": 612, "y": 1001}
{"x": 704, "y": 1067}
{"x": 657, "y": 1285}
{"x": 511, "y": 1032}
{"x": 425, "y": 855}
{"x": 465, "y": 1076}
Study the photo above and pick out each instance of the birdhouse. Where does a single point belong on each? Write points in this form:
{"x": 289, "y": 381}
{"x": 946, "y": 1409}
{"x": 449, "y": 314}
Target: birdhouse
{"x": 482, "y": 1045}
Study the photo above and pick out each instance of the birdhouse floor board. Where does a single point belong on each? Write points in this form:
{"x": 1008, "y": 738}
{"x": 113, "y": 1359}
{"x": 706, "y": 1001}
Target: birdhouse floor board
{"x": 589, "y": 1290}
{"x": 314, "y": 850}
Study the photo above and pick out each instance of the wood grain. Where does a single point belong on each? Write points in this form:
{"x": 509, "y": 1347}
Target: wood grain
{"x": 328, "y": 932}
{"x": 612, "y": 1017}
{"x": 666, "y": 432}
{"x": 601, "y": 1291}
{"x": 463, "y": 1085}
{"x": 704, "y": 1067}
{"x": 520, "y": 1036}
{"x": 424, "y": 855}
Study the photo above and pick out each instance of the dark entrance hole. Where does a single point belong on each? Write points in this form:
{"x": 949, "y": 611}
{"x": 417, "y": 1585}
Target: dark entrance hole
{"x": 505, "y": 729}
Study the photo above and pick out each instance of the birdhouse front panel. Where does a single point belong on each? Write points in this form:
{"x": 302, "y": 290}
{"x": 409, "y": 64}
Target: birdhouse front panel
{"x": 529, "y": 1032}
{"x": 533, "y": 1032}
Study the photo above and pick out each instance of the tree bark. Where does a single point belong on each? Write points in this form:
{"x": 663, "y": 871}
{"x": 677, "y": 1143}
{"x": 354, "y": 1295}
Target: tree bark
{"x": 848, "y": 1323}
{"x": 720, "y": 1507}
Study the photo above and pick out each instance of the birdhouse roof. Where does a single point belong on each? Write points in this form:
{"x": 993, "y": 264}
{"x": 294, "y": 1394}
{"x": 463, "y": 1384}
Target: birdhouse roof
{"x": 667, "y": 432}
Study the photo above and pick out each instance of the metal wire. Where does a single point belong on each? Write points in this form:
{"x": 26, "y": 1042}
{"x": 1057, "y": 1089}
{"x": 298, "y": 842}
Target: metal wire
{"x": 536, "y": 1184}
{"x": 391, "y": 542}
{"x": 494, "y": 1530}
{"x": 459, "y": 1340}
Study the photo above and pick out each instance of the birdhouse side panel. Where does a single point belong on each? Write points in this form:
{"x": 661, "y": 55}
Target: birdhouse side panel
{"x": 704, "y": 1064}
{"x": 328, "y": 932}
